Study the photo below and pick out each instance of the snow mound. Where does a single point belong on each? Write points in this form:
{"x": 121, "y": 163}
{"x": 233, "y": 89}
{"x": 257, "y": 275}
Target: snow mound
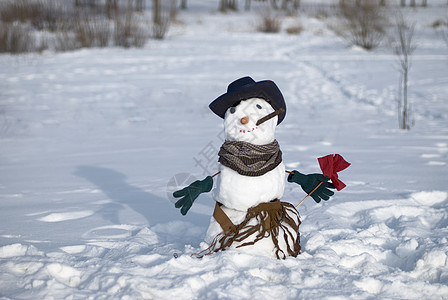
{"x": 429, "y": 198}
{"x": 15, "y": 250}
{"x": 64, "y": 274}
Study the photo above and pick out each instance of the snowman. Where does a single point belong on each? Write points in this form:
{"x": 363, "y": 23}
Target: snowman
{"x": 249, "y": 214}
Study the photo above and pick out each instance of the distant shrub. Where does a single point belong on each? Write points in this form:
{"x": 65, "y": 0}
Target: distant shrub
{"x": 128, "y": 32}
{"x": 321, "y": 12}
{"x": 82, "y": 31}
{"x": 363, "y": 23}
{"x": 93, "y": 32}
{"x": 65, "y": 40}
{"x": 295, "y": 29}
{"x": 160, "y": 29}
{"x": 269, "y": 22}
{"x": 16, "y": 38}
{"x": 225, "y": 5}
{"x": 41, "y": 14}
{"x": 25, "y": 23}
{"x": 439, "y": 23}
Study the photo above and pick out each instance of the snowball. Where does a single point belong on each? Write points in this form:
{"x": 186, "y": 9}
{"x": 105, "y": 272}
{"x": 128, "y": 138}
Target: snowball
{"x": 252, "y": 133}
{"x": 242, "y": 192}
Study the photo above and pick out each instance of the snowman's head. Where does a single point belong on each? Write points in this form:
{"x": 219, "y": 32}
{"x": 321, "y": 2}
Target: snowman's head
{"x": 251, "y": 110}
{"x": 240, "y": 122}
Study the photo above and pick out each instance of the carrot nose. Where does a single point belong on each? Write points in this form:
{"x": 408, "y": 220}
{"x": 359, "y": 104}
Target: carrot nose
{"x": 244, "y": 120}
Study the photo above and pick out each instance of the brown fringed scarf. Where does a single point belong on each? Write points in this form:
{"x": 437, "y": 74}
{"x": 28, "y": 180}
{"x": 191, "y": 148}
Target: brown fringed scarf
{"x": 270, "y": 218}
{"x": 249, "y": 159}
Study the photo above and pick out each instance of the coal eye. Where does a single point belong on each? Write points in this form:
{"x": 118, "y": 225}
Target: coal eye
{"x": 232, "y": 110}
{"x": 259, "y": 106}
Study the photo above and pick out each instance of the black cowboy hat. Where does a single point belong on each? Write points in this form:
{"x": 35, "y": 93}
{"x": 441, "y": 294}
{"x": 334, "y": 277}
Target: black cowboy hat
{"x": 246, "y": 88}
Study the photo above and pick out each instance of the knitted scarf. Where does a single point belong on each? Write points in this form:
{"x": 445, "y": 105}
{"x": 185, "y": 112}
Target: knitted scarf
{"x": 249, "y": 159}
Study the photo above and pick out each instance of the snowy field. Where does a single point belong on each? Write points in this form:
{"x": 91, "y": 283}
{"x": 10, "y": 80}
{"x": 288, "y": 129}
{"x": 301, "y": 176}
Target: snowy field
{"x": 89, "y": 141}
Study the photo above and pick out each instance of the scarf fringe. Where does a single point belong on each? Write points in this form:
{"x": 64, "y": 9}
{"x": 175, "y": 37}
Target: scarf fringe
{"x": 271, "y": 217}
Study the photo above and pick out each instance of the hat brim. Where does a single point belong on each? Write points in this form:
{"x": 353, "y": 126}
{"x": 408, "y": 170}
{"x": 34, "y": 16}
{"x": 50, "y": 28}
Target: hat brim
{"x": 266, "y": 90}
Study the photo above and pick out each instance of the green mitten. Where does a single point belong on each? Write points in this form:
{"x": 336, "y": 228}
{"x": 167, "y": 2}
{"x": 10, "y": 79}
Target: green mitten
{"x": 310, "y": 181}
{"x": 191, "y": 192}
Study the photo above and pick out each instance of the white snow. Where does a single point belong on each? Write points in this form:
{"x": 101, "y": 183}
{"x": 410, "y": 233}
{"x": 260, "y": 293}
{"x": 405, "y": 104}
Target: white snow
{"x": 58, "y": 217}
{"x": 90, "y": 140}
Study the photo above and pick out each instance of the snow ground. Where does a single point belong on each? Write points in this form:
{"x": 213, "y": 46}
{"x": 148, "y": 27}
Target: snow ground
{"x": 91, "y": 140}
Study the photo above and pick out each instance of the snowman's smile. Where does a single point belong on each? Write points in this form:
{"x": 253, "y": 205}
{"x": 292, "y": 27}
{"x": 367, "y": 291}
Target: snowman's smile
{"x": 248, "y": 130}
{"x": 246, "y": 119}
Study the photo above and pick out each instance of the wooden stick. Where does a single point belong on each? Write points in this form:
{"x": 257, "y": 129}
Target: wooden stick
{"x": 270, "y": 116}
{"x": 309, "y": 194}
{"x": 216, "y": 174}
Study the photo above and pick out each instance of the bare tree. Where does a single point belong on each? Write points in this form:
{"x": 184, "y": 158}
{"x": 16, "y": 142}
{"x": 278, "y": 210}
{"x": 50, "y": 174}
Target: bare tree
{"x": 247, "y": 5}
{"x": 295, "y": 4}
{"x": 443, "y": 31}
{"x": 91, "y": 3}
{"x": 404, "y": 46}
{"x": 139, "y": 5}
{"x": 224, "y": 5}
{"x": 156, "y": 12}
{"x": 161, "y": 19}
{"x": 412, "y": 3}
{"x": 111, "y": 6}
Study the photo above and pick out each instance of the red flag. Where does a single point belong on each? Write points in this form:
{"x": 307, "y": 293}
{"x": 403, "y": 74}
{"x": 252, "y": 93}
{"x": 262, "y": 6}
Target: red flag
{"x": 330, "y": 165}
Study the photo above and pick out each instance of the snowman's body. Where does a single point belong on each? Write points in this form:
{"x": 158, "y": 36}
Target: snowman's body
{"x": 237, "y": 193}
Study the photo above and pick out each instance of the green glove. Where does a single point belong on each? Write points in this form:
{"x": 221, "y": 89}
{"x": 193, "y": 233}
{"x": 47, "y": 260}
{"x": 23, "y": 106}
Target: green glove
{"x": 191, "y": 192}
{"x": 310, "y": 181}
